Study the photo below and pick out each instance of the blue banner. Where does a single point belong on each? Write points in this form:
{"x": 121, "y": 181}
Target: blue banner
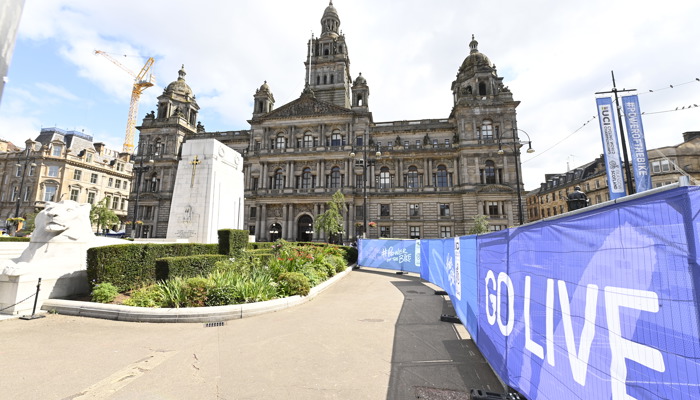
{"x": 611, "y": 150}
{"x": 598, "y": 305}
{"x": 401, "y": 255}
{"x": 638, "y": 146}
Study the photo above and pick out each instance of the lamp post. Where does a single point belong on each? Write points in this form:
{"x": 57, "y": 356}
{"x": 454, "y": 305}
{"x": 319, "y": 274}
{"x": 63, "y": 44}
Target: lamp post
{"x": 516, "y": 151}
{"x": 139, "y": 170}
{"x": 365, "y": 163}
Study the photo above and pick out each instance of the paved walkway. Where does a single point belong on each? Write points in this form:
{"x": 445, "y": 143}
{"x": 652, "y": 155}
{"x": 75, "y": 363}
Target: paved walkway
{"x": 372, "y": 335}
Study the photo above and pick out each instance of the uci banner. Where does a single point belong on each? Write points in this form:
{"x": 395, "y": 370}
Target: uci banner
{"x": 638, "y": 147}
{"x": 611, "y": 150}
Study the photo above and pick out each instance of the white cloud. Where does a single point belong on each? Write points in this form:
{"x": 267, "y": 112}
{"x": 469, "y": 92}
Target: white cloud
{"x": 553, "y": 55}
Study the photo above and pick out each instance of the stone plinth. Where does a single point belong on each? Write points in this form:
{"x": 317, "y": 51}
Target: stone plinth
{"x": 208, "y": 193}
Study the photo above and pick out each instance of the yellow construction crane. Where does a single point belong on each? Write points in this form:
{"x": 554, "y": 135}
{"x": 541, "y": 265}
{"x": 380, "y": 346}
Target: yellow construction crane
{"x": 142, "y": 81}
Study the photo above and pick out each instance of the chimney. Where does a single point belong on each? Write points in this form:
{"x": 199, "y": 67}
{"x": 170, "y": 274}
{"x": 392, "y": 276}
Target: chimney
{"x": 99, "y": 148}
{"x": 688, "y": 136}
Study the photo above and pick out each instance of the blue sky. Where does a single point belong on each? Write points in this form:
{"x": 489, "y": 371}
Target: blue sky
{"x": 553, "y": 55}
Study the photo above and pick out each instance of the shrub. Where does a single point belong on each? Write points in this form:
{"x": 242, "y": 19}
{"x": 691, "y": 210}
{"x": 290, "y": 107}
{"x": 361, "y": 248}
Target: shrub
{"x": 173, "y": 292}
{"x": 196, "y": 290}
{"x": 147, "y": 296}
{"x": 293, "y": 283}
{"x": 132, "y": 265}
{"x": 187, "y": 266}
{"x": 104, "y": 292}
{"x": 232, "y": 241}
{"x": 14, "y": 239}
{"x": 259, "y": 286}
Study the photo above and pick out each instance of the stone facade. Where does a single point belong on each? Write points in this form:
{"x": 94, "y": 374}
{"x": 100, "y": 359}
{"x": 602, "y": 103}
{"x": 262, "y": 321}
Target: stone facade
{"x": 424, "y": 178}
{"x": 63, "y": 165}
{"x": 667, "y": 165}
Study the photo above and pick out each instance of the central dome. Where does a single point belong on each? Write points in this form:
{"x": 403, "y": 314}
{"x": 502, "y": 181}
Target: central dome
{"x": 475, "y": 59}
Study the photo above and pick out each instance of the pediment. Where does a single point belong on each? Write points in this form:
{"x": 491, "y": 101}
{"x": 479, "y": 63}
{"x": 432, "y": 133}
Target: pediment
{"x": 495, "y": 188}
{"x": 305, "y": 106}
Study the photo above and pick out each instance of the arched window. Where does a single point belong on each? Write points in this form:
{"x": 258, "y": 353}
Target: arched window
{"x": 280, "y": 142}
{"x": 325, "y": 79}
{"x": 482, "y": 88}
{"x": 159, "y": 147}
{"x": 336, "y": 139}
{"x": 359, "y": 100}
{"x": 308, "y": 140}
{"x": 318, "y": 80}
{"x": 412, "y": 177}
{"x": 278, "y": 181}
{"x": 487, "y": 130}
{"x": 384, "y": 178}
{"x": 332, "y": 76}
{"x": 306, "y": 178}
{"x": 490, "y": 172}
{"x": 441, "y": 178}
{"x": 335, "y": 178}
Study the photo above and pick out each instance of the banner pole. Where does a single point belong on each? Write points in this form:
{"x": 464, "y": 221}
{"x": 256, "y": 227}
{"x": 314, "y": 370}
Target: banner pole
{"x": 628, "y": 171}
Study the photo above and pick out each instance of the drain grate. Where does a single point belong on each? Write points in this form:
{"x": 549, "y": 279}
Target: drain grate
{"x": 213, "y": 324}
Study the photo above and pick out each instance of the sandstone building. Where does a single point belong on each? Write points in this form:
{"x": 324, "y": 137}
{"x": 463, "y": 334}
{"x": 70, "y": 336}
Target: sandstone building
{"x": 62, "y": 165}
{"x": 667, "y": 165}
{"x": 423, "y": 178}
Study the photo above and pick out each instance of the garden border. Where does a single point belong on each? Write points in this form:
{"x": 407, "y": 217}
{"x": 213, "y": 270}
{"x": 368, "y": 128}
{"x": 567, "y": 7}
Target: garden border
{"x": 186, "y": 314}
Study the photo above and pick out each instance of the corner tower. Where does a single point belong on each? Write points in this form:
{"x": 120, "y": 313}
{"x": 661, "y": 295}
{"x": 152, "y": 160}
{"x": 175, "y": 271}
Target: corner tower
{"x": 327, "y": 63}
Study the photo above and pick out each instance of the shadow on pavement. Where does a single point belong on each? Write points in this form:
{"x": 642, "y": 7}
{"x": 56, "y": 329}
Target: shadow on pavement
{"x": 431, "y": 359}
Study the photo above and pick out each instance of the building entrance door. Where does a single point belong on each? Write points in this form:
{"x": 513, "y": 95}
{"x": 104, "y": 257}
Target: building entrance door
{"x": 305, "y": 229}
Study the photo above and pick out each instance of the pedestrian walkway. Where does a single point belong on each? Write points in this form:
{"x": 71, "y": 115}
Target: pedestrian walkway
{"x": 372, "y": 335}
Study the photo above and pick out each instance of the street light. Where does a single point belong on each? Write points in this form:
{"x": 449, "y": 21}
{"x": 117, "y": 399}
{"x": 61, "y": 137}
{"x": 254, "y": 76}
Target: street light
{"x": 365, "y": 163}
{"x": 516, "y": 151}
{"x": 139, "y": 170}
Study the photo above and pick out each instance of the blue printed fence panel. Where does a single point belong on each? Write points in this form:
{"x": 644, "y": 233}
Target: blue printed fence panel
{"x": 598, "y": 305}
{"x": 401, "y": 255}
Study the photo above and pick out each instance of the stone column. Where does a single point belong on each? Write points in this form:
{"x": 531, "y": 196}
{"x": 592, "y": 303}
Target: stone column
{"x": 264, "y": 234}
{"x": 285, "y": 217}
{"x": 258, "y": 227}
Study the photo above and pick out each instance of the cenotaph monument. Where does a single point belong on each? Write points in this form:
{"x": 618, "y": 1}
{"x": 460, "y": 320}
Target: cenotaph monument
{"x": 208, "y": 192}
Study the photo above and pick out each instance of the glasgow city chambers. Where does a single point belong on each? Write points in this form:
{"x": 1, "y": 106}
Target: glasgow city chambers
{"x": 422, "y": 178}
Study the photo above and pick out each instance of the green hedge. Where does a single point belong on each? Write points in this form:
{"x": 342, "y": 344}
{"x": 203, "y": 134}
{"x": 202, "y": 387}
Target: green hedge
{"x": 14, "y": 239}
{"x": 232, "y": 241}
{"x": 187, "y": 266}
{"x": 129, "y": 266}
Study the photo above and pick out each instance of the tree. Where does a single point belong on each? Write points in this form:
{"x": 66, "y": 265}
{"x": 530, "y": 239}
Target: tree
{"x": 102, "y": 216}
{"x": 481, "y": 225}
{"x": 331, "y": 221}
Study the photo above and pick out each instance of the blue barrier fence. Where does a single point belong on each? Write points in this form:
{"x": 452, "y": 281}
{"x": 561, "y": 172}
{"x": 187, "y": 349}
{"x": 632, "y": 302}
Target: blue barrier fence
{"x": 602, "y": 304}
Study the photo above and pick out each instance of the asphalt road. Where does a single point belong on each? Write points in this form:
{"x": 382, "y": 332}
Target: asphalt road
{"x": 373, "y": 335}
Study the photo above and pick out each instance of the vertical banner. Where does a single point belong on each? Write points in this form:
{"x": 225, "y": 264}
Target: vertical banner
{"x": 638, "y": 146}
{"x": 611, "y": 150}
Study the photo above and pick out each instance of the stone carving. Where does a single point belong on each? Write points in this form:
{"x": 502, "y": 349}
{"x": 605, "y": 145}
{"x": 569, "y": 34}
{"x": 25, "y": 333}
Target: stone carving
{"x": 305, "y": 106}
{"x": 274, "y": 211}
{"x": 61, "y": 236}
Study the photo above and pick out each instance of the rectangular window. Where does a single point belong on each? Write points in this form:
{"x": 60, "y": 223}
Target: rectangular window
{"x": 93, "y": 178}
{"x": 88, "y": 157}
{"x": 120, "y": 167}
{"x": 91, "y": 198}
{"x": 254, "y": 184}
{"x": 74, "y": 194}
{"x": 118, "y": 184}
{"x": 491, "y": 208}
{"x": 384, "y": 231}
{"x": 56, "y": 151}
{"x": 413, "y": 210}
{"x": 115, "y": 203}
{"x": 253, "y": 212}
{"x": 445, "y": 231}
{"x": 359, "y": 181}
{"x": 77, "y": 174}
{"x": 108, "y": 201}
{"x": 251, "y": 230}
{"x": 359, "y": 140}
{"x": 110, "y": 182}
{"x": 53, "y": 171}
{"x": 18, "y": 170}
{"x": 15, "y": 193}
{"x": 384, "y": 210}
{"x": 414, "y": 232}
{"x": 123, "y": 207}
{"x": 32, "y": 168}
{"x": 27, "y": 190}
{"x": 447, "y": 142}
{"x": 444, "y": 210}
{"x": 418, "y": 142}
{"x": 50, "y": 193}
{"x": 359, "y": 211}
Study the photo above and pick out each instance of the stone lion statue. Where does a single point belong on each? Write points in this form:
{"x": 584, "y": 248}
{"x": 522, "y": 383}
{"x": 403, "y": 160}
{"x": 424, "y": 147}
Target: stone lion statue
{"x": 61, "y": 236}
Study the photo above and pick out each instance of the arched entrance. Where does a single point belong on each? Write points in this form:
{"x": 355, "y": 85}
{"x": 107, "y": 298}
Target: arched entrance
{"x": 305, "y": 229}
{"x": 275, "y": 232}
